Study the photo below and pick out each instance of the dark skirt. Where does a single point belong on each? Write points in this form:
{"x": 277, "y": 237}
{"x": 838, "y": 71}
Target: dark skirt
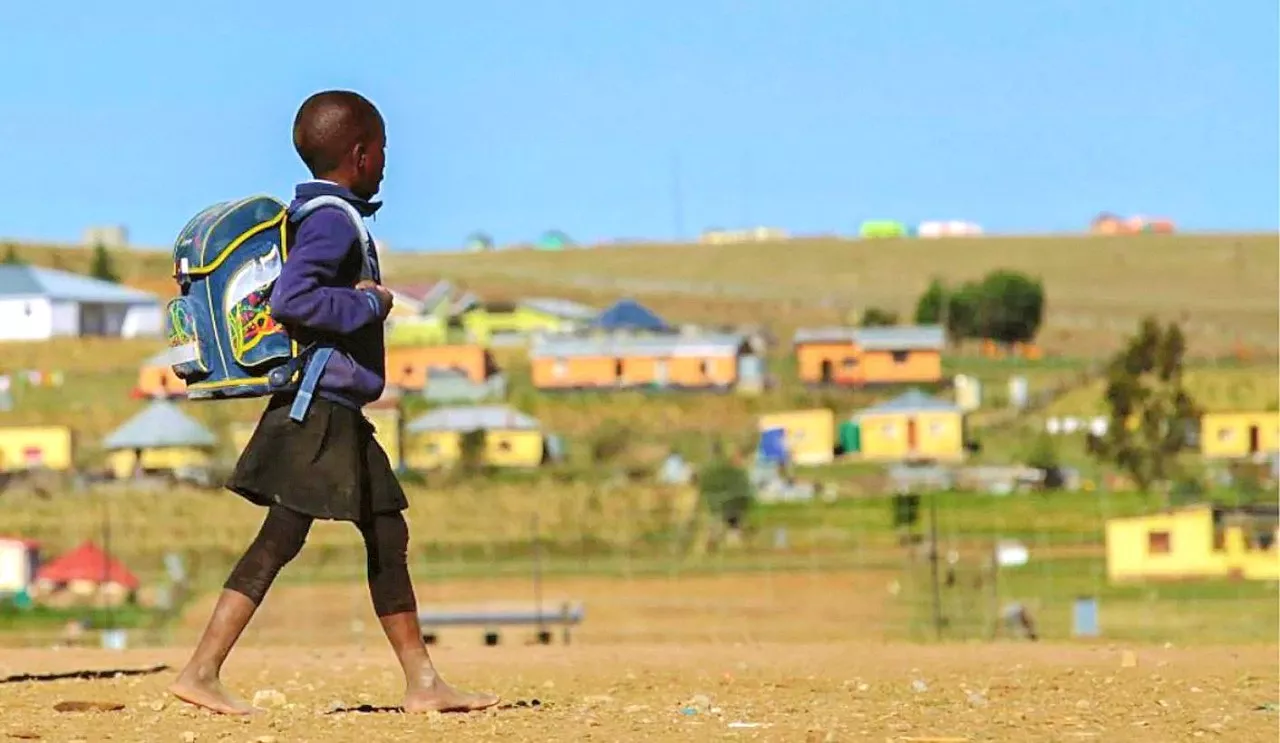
{"x": 329, "y": 466}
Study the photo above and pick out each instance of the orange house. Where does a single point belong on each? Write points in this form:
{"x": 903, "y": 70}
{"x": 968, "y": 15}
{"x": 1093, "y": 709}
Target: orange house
{"x": 409, "y": 366}
{"x": 663, "y": 362}
{"x": 870, "y": 356}
{"x": 156, "y": 378}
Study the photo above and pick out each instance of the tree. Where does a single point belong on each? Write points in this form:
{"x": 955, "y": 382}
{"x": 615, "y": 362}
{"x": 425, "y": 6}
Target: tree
{"x": 878, "y": 317}
{"x": 102, "y": 268}
{"x": 1010, "y": 307}
{"x": 726, "y": 491}
{"x": 11, "y": 255}
{"x": 929, "y": 306}
{"x": 1151, "y": 414}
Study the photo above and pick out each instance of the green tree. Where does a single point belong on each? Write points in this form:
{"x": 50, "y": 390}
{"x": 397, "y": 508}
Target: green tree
{"x": 929, "y": 306}
{"x": 960, "y": 313}
{"x": 878, "y": 317}
{"x": 11, "y": 255}
{"x": 1151, "y": 413}
{"x": 1010, "y": 307}
{"x": 725, "y": 491}
{"x": 102, "y": 267}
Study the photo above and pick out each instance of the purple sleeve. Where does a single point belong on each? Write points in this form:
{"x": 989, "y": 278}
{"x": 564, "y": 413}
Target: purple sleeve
{"x": 305, "y": 294}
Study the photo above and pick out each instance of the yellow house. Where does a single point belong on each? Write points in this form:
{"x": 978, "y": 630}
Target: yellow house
{"x": 511, "y": 438}
{"x": 1201, "y": 541}
{"x": 808, "y": 435}
{"x": 36, "y": 447}
{"x": 526, "y": 317}
{"x": 911, "y": 427}
{"x": 1238, "y": 435}
{"x": 161, "y": 438}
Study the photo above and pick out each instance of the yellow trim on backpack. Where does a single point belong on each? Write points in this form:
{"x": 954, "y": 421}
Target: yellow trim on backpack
{"x": 254, "y": 230}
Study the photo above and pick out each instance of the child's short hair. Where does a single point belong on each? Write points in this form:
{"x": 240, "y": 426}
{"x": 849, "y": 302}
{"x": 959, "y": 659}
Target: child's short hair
{"x": 329, "y": 124}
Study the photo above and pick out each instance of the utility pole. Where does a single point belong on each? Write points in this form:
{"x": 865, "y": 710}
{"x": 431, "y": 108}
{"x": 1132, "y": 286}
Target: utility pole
{"x": 933, "y": 565}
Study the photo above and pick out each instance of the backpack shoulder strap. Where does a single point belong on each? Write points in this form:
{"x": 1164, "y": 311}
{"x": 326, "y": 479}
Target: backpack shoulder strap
{"x": 368, "y": 270}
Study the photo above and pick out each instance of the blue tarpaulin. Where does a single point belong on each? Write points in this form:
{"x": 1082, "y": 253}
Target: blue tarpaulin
{"x": 773, "y": 445}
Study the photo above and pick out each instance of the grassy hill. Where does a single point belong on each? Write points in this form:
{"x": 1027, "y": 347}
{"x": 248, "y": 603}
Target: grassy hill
{"x": 1223, "y": 287}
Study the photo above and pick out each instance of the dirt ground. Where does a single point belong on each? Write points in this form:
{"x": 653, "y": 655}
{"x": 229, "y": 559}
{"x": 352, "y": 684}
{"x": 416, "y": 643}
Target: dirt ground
{"x": 781, "y": 657}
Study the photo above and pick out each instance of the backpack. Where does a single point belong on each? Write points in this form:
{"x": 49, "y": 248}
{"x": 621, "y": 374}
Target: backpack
{"x": 223, "y": 341}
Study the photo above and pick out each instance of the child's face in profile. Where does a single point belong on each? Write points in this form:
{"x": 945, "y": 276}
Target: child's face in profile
{"x": 370, "y": 165}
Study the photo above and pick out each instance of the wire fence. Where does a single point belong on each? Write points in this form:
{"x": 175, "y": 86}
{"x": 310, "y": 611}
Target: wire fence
{"x": 649, "y": 564}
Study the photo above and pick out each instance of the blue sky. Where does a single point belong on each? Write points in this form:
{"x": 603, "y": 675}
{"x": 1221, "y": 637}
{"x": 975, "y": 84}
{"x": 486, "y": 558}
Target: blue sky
{"x": 516, "y": 116}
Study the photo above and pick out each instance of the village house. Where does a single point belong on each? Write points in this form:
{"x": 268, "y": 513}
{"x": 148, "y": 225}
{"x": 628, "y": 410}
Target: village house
{"x": 159, "y": 439}
{"x": 511, "y": 438}
{"x": 1200, "y": 541}
{"x": 1239, "y": 435}
{"x": 42, "y": 303}
{"x": 504, "y": 323}
{"x": 912, "y": 427}
{"x": 860, "y": 357}
{"x": 801, "y": 437}
{"x": 36, "y": 448}
{"x": 409, "y": 367}
{"x": 156, "y": 378}
{"x": 86, "y": 574}
{"x": 694, "y": 362}
{"x": 19, "y": 560}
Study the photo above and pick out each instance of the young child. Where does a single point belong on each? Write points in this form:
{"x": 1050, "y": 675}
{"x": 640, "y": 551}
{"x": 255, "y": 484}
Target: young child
{"x": 329, "y": 466}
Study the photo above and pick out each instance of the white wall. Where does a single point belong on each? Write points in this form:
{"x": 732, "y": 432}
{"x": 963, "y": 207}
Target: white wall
{"x": 25, "y": 319}
{"x": 65, "y": 319}
{"x": 143, "y": 321}
{"x": 15, "y": 566}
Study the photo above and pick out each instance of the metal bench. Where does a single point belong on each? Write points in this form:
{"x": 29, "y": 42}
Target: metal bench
{"x": 565, "y": 616}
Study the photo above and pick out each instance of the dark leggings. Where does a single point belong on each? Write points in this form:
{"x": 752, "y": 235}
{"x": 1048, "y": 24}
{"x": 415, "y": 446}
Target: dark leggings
{"x": 386, "y": 546}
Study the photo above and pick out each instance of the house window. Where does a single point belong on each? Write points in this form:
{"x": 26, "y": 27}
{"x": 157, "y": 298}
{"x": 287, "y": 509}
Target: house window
{"x": 26, "y": 309}
{"x": 900, "y": 357}
{"x": 1158, "y": 543}
{"x": 888, "y": 429}
{"x": 559, "y": 368}
{"x": 935, "y": 428}
{"x": 504, "y": 445}
{"x": 1224, "y": 434}
{"x": 849, "y": 363}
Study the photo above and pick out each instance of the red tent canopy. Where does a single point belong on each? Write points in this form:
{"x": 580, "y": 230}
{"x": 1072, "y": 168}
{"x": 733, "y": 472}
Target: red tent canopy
{"x": 87, "y": 562}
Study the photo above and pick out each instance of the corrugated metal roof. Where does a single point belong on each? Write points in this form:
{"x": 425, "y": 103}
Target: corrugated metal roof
{"x": 32, "y": 281}
{"x": 628, "y": 314}
{"x": 563, "y": 308}
{"x": 466, "y": 418}
{"x": 705, "y": 346}
{"x": 159, "y": 425}
{"x": 891, "y": 338}
{"x": 912, "y": 401}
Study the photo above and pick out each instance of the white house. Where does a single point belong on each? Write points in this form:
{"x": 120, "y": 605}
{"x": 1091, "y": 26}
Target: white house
{"x": 41, "y": 303}
{"x": 18, "y": 561}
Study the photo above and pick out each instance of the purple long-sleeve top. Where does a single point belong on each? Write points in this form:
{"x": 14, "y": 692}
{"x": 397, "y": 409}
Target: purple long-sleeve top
{"x": 316, "y": 300}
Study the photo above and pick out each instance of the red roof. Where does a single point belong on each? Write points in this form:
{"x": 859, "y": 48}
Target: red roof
{"x": 87, "y": 562}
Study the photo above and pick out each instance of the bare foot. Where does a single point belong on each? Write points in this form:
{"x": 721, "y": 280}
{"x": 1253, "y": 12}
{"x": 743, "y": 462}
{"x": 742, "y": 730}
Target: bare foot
{"x": 440, "y": 697}
{"x": 210, "y": 694}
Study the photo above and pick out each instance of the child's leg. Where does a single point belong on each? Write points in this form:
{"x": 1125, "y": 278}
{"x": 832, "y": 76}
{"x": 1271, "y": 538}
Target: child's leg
{"x": 386, "y": 542}
{"x": 279, "y": 541}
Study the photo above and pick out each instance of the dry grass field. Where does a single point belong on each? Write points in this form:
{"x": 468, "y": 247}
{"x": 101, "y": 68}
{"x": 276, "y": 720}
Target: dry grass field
{"x": 1224, "y": 287}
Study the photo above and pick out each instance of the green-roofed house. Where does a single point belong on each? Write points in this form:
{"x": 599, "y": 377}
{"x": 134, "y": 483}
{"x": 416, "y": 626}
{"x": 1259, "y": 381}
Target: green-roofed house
{"x": 911, "y": 427}
{"x": 882, "y": 228}
{"x": 159, "y": 439}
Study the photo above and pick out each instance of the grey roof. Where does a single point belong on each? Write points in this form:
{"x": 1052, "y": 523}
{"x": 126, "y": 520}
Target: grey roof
{"x": 892, "y": 338}
{"x": 704, "y": 346}
{"x": 911, "y": 401}
{"x": 160, "y": 425}
{"x": 562, "y": 308}
{"x": 466, "y": 418}
{"x": 33, "y": 281}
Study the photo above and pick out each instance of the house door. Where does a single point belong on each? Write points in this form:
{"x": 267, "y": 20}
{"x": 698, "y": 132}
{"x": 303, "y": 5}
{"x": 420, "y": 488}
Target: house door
{"x": 912, "y": 435}
{"x": 1253, "y": 440}
{"x": 618, "y": 371}
{"x": 826, "y": 371}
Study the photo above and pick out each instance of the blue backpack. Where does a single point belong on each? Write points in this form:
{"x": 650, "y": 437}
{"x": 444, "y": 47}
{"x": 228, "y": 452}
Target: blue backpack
{"x": 223, "y": 341}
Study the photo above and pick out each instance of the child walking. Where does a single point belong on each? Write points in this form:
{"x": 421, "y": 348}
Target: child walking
{"x": 328, "y": 466}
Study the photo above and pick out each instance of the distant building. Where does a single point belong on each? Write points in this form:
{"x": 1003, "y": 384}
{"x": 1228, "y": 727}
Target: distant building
{"x": 910, "y": 428}
{"x": 1201, "y": 541}
{"x": 904, "y": 354}
{"x": 41, "y": 303}
{"x": 753, "y": 234}
{"x": 162, "y": 439}
{"x": 36, "y": 448}
{"x": 710, "y": 362}
{"x": 511, "y": 438}
{"x": 19, "y": 559}
{"x": 1239, "y": 435}
{"x": 108, "y": 236}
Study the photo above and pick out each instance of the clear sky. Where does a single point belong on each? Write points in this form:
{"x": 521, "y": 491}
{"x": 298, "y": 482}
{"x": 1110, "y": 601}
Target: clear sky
{"x": 590, "y": 116}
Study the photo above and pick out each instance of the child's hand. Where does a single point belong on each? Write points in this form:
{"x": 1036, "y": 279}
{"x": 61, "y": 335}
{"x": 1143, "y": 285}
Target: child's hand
{"x": 385, "y": 298}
